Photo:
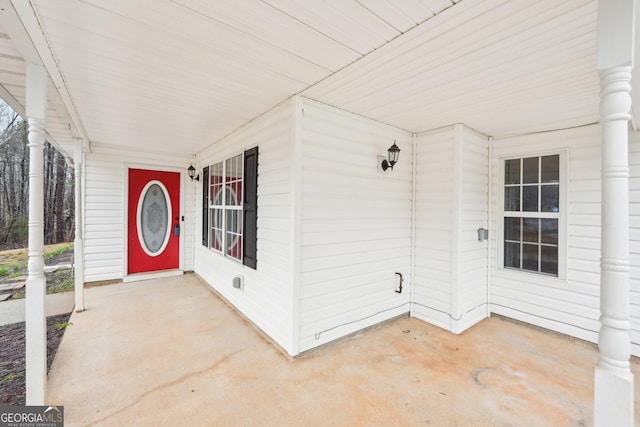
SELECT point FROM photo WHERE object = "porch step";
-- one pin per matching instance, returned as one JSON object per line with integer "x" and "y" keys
{"x": 4, "y": 297}
{"x": 12, "y": 286}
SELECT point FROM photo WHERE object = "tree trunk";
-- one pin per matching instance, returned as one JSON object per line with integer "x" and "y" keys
{"x": 58, "y": 203}
{"x": 49, "y": 185}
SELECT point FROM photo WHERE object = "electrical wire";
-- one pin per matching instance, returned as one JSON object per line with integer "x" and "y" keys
{"x": 317, "y": 335}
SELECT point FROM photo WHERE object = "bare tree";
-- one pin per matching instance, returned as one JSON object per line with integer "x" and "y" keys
{"x": 14, "y": 186}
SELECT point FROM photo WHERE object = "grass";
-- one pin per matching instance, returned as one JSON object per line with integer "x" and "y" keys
{"x": 58, "y": 249}
{"x": 62, "y": 325}
{"x": 13, "y": 262}
{"x": 11, "y": 376}
{"x": 57, "y": 282}
{"x": 66, "y": 285}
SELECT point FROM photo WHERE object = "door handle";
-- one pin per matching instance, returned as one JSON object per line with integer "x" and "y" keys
{"x": 176, "y": 230}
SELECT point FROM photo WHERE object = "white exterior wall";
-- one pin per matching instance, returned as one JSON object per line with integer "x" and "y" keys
{"x": 451, "y": 204}
{"x": 355, "y": 224}
{"x": 332, "y": 230}
{"x": 569, "y": 305}
{"x": 434, "y": 227}
{"x": 267, "y": 299}
{"x": 105, "y": 199}
{"x": 474, "y": 214}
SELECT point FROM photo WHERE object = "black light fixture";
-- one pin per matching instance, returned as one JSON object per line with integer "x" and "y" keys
{"x": 394, "y": 154}
{"x": 192, "y": 173}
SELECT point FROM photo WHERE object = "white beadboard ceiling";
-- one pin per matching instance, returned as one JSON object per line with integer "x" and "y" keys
{"x": 178, "y": 75}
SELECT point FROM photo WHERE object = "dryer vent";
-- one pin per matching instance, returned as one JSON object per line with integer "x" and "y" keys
{"x": 238, "y": 282}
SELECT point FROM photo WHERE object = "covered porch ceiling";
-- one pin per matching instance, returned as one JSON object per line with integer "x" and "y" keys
{"x": 181, "y": 74}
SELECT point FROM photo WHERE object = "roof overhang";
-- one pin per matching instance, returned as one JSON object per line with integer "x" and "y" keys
{"x": 20, "y": 25}
{"x": 185, "y": 73}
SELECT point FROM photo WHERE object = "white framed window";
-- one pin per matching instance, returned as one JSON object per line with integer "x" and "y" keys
{"x": 225, "y": 207}
{"x": 230, "y": 207}
{"x": 533, "y": 214}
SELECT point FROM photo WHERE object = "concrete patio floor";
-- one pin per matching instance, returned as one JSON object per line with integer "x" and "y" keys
{"x": 169, "y": 352}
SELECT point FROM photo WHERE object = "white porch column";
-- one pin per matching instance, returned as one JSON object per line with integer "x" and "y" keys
{"x": 613, "y": 405}
{"x": 36, "y": 322}
{"x": 78, "y": 241}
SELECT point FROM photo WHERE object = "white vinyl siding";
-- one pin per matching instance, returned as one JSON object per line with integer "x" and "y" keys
{"x": 327, "y": 259}
{"x": 568, "y": 305}
{"x": 105, "y": 205}
{"x": 450, "y": 288}
{"x": 474, "y": 207}
{"x": 267, "y": 298}
{"x": 434, "y": 227}
{"x": 355, "y": 224}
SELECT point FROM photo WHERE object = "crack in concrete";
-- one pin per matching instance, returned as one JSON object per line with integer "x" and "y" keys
{"x": 166, "y": 385}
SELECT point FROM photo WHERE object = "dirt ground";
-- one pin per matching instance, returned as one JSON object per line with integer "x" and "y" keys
{"x": 12, "y": 357}
{"x": 12, "y": 337}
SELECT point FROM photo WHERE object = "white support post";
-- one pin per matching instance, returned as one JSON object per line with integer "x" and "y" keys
{"x": 613, "y": 378}
{"x": 36, "y": 321}
{"x": 613, "y": 405}
{"x": 78, "y": 241}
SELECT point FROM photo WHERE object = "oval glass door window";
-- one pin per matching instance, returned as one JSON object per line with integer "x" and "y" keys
{"x": 154, "y": 218}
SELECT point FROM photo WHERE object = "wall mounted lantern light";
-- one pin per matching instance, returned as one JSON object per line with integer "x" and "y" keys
{"x": 393, "y": 155}
{"x": 192, "y": 173}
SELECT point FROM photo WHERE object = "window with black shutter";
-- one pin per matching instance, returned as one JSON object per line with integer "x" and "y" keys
{"x": 229, "y": 213}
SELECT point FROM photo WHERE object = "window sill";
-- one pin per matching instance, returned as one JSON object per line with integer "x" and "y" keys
{"x": 531, "y": 277}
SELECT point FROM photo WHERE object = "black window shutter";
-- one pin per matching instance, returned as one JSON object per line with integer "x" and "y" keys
{"x": 205, "y": 206}
{"x": 250, "y": 211}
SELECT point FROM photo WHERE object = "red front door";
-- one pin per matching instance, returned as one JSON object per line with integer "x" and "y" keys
{"x": 153, "y": 221}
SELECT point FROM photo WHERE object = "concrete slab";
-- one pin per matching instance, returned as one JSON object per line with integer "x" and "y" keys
{"x": 169, "y": 352}
{"x": 13, "y": 311}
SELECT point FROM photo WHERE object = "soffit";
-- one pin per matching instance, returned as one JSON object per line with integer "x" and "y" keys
{"x": 501, "y": 67}
{"x": 184, "y": 73}
{"x": 13, "y": 91}
{"x": 178, "y": 75}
